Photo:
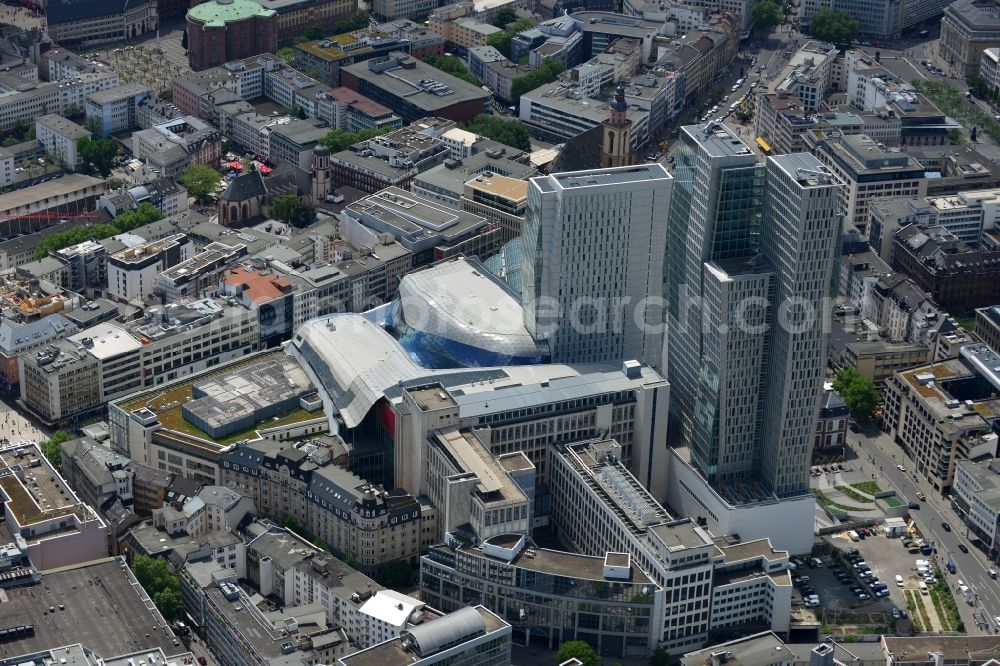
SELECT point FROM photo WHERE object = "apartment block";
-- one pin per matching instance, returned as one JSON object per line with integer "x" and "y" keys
{"x": 977, "y": 498}
{"x": 17, "y": 338}
{"x": 170, "y": 147}
{"x": 807, "y": 75}
{"x": 110, "y": 360}
{"x": 47, "y": 521}
{"x": 59, "y": 136}
{"x": 283, "y": 565}
{"x": 191, "y": 277}
{"x": 869, "y": 172}
{"x": 349, "y": 514}
{"x": 938, "y": 413}
{"x": 132, "y": 272}
{"x": 116, "y": 109}
{"x": 31, "y": 100}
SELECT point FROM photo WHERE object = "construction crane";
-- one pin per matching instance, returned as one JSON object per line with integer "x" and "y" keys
{"x": 50, "y": 216}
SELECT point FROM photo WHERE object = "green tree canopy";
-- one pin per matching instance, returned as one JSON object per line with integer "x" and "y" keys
{"x": 503, "y": 16}
{"x": 169, "y": 603}
{"x": 547, "y": 73}
{"x": 145, "y": 213}
{"x": 838, "y": 27}
{"x": 451, "y": 65}
{"x": 355, "y": 21}
{"x": 291, "y": 523}
{"x": 858, "y": 392}
{"x": 501, "y": 42}
{"x": 288, "y": 208}
{"x": 100, "y": 153}
{"x": 766, "y": 15}
{"x": 338, "y": 140}
{"x": 507, "y": 132}
{"x": 52, "y": 450}
{"x": 579, "y": 649}
{"x": 659, "y": 658}
{"x": 314, "y": 32}
{"x": 521, "y": 24}
{"x": 287, "y": 54}
{"x": 395, "y": 575}
{"x": 160, "y": 583}
{"x": 200, "y": 181}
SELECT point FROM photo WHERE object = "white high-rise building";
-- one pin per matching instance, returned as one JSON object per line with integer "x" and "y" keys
{"x": 594, "y": 244}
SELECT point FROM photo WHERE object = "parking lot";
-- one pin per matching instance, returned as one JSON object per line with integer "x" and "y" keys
{"x": 855, "y": 581}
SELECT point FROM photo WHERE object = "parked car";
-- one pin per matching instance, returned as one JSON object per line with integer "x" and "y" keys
{"x": 946, "y": 527}
{"x": 962, "y": 547}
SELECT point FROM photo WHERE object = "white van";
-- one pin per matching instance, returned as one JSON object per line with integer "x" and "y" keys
{"x": 899, "y": 581}
{"x": 853, "y": 535}
{"x": 923, "y": 588}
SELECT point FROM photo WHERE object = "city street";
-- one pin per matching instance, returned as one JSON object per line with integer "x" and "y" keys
{"x": 769, "y": 52}
{"x": 972, "y": 566}
{"x": 14, "y": 426}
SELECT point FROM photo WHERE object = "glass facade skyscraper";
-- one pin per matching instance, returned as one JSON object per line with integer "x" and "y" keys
{"x": 736, "y": 255}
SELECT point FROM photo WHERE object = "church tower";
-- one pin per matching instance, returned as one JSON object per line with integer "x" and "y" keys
{"x": 320, "y": 174}
{"x": 616, "y": 149}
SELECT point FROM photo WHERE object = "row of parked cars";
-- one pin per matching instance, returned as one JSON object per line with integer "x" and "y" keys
{"x": 871, "y": 586}
{"x": 809, "y": 596}
{"x": 801, "y": 582}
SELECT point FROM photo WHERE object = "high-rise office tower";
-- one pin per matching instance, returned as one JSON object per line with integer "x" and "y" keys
{"x": 710, "y": 272}
{"x": 748, "y": 264}
{"x": 593, "y": 245}
{"x": 801, "y": 240}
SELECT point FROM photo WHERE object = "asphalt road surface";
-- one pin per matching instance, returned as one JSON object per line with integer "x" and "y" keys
{"x": 972, "y": 566}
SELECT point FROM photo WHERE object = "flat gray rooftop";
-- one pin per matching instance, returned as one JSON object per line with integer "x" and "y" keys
{"x": 756, "y": 650}
{"x": 718, "y": 140}
{"x": 806, "y": 169}
{"x": 597, "y": 177}
{"x": 103, "y": 611}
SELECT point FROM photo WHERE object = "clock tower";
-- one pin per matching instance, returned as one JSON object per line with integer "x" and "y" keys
{"x": 616, "y": 149}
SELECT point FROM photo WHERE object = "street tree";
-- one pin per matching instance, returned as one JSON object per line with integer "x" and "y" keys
{"x": 766, "y": 15}
{"x": 580, "y": 650}
{"x": 858, "y": 392}
{"x": 200, "y": 181}
{"x": 100, "y": 153}
{"x": 838, "y": 27}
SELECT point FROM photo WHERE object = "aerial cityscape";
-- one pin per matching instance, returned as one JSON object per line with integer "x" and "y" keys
{"x": 500, "y": 332}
